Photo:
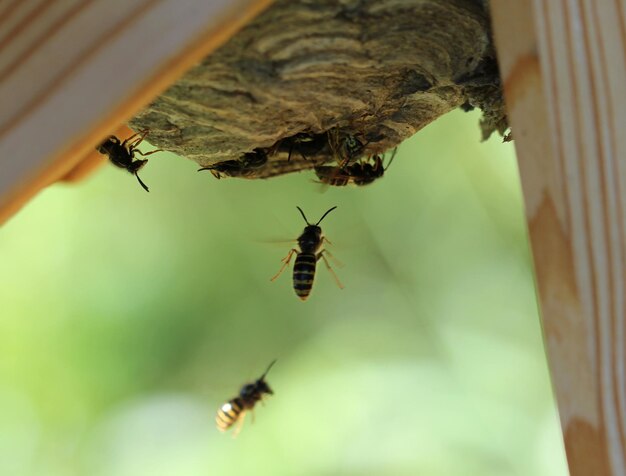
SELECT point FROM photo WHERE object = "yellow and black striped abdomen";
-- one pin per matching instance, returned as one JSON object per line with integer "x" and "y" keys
{"x": 229, "y": 413}
{"x": 303, "y": 274}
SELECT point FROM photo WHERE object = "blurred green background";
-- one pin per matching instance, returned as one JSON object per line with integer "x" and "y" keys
{"x": 128, "y": 318}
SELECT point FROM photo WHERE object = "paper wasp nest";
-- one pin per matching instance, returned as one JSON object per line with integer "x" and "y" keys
{"x": 377, "y": 70}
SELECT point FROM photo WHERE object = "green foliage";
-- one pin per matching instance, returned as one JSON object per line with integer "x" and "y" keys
{"x": 128, "y": 318}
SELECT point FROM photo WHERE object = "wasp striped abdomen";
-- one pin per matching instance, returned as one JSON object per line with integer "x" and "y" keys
{"x": 234, "y": 410}
{"x": 229, "y": 413}
{"x": 304, "y": 274}
{"x": 310, "y": 244}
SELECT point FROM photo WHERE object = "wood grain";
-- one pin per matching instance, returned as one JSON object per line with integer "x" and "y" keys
{"x": 564, "y": 67}
{"x": 72, "y": 71}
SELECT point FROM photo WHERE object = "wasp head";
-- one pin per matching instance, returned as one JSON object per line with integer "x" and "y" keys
{"x": 136, "y": 165}
{"x": 262, "y": 387}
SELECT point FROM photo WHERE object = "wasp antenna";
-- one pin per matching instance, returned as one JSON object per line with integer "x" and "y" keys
{"x": 303, "y": 215}
{"x": 324, "y": 215}
{"x": 145, "y": 187}
{"x": 268, "y": 369}
{"x": 393, "y": 154}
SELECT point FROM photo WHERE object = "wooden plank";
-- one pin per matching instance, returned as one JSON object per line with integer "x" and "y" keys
{"x": 564, "y": 67}
{"x": 72, "y": 71}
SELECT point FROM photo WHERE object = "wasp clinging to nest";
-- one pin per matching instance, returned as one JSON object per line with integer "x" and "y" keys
{"x": 362, "y": 172}
{"x": 303, "y": 143}
{"x": 122, "y": 153}
{"x": 346, "y": 147}
{"x": 246, "y": 166}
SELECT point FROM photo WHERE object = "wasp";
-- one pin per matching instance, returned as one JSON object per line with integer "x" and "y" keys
{"x": 245, "y": 167}
{"x": 235, "y": 409}
{"x": 346, "y": 147}
{"x": 305, "y": 144}
{"x": 310, "y": 243}
{"x": 363, "y": 172}
{"x": 122, "y": 153}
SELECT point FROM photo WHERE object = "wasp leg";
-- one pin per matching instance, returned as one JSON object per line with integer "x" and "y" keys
{"x": 211, "y": 168}
{"x": 143, "y": 154}
{"x": 393, "y": 154}
{"x": 321, "y": 255}
{"x": 129, "y": 139}
{"x": 137, "y": 136}
{"x": 136, "y": 139}
{"x": 344, "y": 163}
{"x": 239, "y": 424}
{"x": 332, "y": 256}
{"x": 290, "y": 151}
{"x": 292, "y": 144}
{"x": 285, "y": 261}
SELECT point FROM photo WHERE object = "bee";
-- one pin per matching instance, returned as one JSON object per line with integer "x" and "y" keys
{"x": 363, "y": 172}
{"x": 310, "y": 243}
{"x": 245, "y": 167}
{"x": 122, "y": 153}
{"x": 235, "y": 409}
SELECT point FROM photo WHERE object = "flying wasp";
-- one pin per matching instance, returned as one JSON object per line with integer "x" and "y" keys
{"x": 244, "y": 167}
{"x": 362, "y": 172}
{"x": 310, "y": 243}
{"x": 122, "y": 153}
{"x": 235, "y": 409}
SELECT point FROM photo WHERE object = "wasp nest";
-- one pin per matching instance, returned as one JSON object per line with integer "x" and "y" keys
{"x": 306, "y": 71}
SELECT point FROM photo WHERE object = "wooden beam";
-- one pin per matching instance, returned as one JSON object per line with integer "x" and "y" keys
{"x": 564, "y": 67}
{"x": 72, "y": 71}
